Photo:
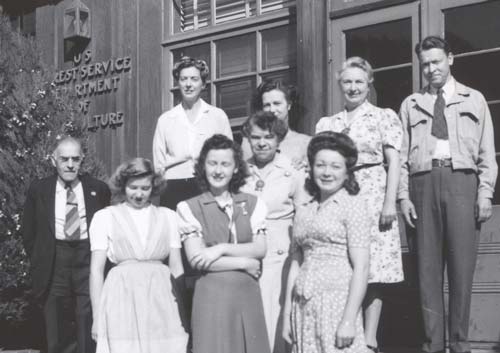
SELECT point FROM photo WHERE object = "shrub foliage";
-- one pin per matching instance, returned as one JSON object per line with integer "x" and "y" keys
{"x": 33, "y": 115}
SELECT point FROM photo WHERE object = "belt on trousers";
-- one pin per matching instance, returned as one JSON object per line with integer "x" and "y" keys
{"x": 365, "y": 166}
{"x": 71, "y": 243}
{"x": 441, "y": 163}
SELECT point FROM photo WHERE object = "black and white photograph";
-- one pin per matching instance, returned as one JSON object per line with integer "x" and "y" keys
{"x": 249, "y": 176}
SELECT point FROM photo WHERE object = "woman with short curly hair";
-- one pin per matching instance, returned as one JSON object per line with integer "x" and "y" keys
{"x": 181, "y": 131}
{"x": 274, "y": 179}
{"x": 135, "y": 306}
{"x": 282, "y": 100}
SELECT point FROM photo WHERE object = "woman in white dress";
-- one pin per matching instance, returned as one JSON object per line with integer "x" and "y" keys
{"x": 135, "y": 309}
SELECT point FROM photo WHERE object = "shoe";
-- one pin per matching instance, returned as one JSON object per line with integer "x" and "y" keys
{"x": 374, "y": 349}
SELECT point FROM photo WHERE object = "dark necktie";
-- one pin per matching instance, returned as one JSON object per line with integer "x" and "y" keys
{"x": 72, "y": 224}
{"x": 439, "y": 128}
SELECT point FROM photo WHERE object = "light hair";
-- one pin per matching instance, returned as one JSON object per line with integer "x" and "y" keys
{"x": 356, "y": 62}
{"x": 134, "y": 168}
{"x": 67, "y": 139}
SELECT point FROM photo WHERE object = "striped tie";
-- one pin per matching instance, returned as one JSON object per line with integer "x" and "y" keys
{"x": 72, "y": 224}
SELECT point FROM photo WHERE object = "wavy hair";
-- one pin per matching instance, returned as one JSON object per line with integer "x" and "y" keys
{"x": 267, "y": 121}
{"x": 334, "y": 141}
{"x": 432, "y": 42}
{"x": 356, "y": 62}
{"x": 132, "y": 169}
{"x": 221, "y": 142}
{"x": 186, "y": 62}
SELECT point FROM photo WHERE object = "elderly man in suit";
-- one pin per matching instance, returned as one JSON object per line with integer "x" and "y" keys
{"x": 57, "y": 214}
{"x": 448, "y": 175}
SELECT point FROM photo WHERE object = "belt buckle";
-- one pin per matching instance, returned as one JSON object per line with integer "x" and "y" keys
{"x": 440, "y": 163}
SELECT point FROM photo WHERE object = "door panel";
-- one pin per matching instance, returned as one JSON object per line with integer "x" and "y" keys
{"x": 476, "y": 47}
{"x": 386, "y": 39}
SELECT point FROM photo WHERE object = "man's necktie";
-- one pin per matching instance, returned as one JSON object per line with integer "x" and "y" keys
{"x": 72, "y": 224}
{"x": 439, "y": 127}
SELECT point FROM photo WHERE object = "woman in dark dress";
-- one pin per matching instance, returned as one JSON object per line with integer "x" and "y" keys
{"x": 223, "y": 231}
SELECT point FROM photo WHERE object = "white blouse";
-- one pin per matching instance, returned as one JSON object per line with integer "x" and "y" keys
{"x": 100, "y": 228}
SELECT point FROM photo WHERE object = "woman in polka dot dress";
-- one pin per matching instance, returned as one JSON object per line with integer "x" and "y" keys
{"x": 329, "y": 271}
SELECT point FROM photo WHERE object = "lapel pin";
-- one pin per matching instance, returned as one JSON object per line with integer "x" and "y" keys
{"x": 93, "y": 193}
{"x": 243, "y": 207}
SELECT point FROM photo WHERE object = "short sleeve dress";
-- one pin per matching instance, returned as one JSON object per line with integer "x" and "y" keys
{"x": 138, "y": 310}
{"x": 227, "y": 315}
{"x": 324, "y": 233}
{"x": 371, "y": 130}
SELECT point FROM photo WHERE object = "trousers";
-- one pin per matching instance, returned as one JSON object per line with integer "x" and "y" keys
{"x": 447, "y": 236}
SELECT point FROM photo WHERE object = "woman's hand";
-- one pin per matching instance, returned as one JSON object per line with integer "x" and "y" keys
{"x": 287, "y": 329}
{"x": 94, "y": 330}
{"x": 387, "y": 216}
{"x": 345, "y": 334}
{"x": 206, "y": 256}
{"x": 253, "y": 268}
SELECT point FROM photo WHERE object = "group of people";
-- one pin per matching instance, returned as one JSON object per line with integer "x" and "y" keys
{"x": 282, "y": 244}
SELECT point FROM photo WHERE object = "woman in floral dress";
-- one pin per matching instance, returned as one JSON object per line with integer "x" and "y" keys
{"x": 378, "y": 135}
{"x": 330, "y": 258}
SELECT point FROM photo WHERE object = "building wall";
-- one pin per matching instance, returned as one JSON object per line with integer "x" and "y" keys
{"x": 126, "y": 35}
{"x": 136, "y": 30}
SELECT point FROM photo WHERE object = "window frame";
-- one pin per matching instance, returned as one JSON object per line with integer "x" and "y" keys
{"x": 202, "y": 36}
{"x": 338, "y": 48}
{"x": 436, "y": 13}
{"x": 170, "y": 37}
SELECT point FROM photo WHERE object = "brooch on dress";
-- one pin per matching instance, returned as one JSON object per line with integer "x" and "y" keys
{"x": 259, "y": 185}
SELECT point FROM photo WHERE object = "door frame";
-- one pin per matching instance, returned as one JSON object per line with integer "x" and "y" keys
{"x": 336, "y": 37}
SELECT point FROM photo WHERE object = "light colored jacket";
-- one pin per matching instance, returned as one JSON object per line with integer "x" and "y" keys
{"x": 470, "y": 131}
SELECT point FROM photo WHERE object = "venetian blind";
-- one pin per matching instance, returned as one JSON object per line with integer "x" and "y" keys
{"x": 196, "y": 14}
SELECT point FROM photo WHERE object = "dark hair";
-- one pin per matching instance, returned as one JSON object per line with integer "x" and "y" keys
{"x": 289, "y": 91}
{"x": 340, "y": 143}
{"x": 131, "y": 169}
{"x": 432, "y": 42}
{"x": 186, "y": 62}
{"x": 266, "y": 121}
{"x": 221, "y": 142}
{"x": 267, "y": 86}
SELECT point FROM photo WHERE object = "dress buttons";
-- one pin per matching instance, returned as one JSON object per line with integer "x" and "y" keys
{"x": 280, "y": 252}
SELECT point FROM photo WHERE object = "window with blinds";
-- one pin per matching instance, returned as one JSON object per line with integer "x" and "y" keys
{"x": 241, "y": 63}
{"x": 192, "y": 15}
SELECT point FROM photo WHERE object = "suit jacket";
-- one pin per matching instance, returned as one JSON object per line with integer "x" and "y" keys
{"x": 38, "y": 225}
